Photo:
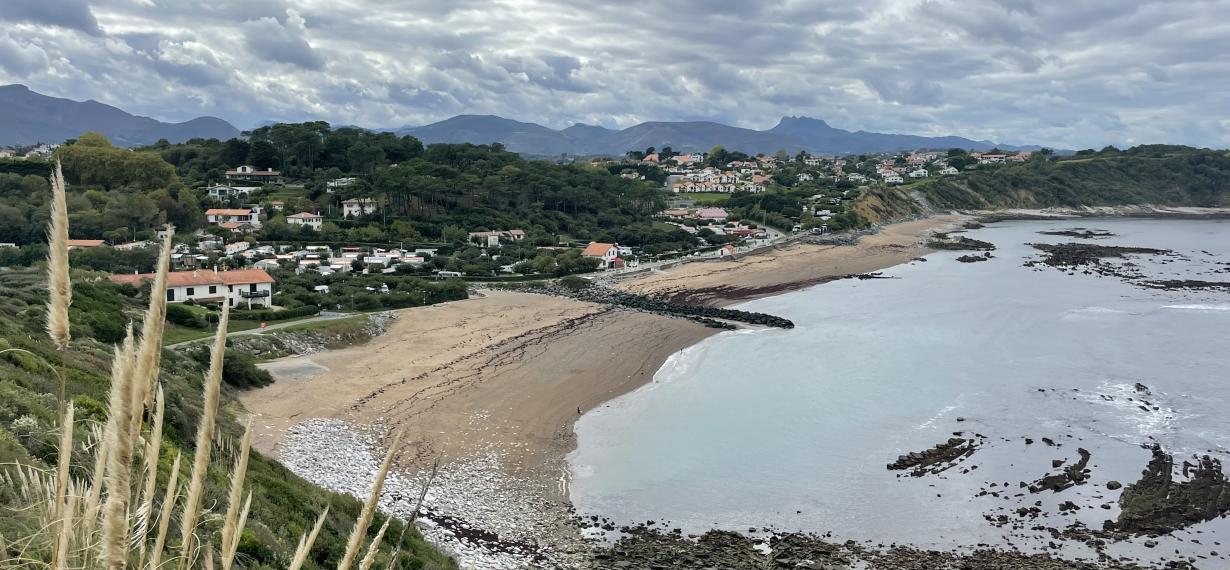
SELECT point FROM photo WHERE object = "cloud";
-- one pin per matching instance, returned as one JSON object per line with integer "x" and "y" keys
{"x": 267, "y": 38}
{"x": 72, "y": 14}
{"x": 1082, "y": 73}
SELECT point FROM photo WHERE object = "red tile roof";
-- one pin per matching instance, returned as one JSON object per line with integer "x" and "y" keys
{"x": 228, "y": 212}
{"x": 199, "y": 278}
{"x": 597, "y": 249}
{"x": 85, "y": 242}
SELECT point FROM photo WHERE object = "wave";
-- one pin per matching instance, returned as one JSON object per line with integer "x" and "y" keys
{"x": 1198, "y": 307}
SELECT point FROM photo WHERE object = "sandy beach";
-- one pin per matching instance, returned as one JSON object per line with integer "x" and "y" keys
{"x": 500, "y": 379}
{"x": 727, "y": 281}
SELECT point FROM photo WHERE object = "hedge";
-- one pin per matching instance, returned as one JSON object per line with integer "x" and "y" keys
{"x": 271, "y": 315}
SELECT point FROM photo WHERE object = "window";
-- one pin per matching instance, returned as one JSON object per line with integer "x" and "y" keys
{"x": 230, "y": 288}
{"x": 170, "y": 294}
{"x": 213, "y": 289}
{"x": 191, "y": 291}
{"x": 252, "y": 287}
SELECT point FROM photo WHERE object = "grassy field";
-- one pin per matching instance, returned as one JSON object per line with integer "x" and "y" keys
{"x": 706, "y": 198}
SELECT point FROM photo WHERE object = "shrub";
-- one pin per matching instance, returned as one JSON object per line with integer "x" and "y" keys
{"x": 184, "y": 316}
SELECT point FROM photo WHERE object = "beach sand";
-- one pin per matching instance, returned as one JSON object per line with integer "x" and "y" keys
{"x": 506, "y": 371}
{"x": 726, "y": 281}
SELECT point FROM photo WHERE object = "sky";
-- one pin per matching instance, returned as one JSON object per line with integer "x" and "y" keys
{"x": 1071, "y": 74}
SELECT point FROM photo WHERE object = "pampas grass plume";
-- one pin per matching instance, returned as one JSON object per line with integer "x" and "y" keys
{"x": 230, "y": 526}
{"x": 164, "y": 519}
{"x": 306, "y": 542}
{"x": 374, "y": 547}
{"x": 119, "y": 458}
{"x": 58, "y": 283}
{"x": 204, "y": 440}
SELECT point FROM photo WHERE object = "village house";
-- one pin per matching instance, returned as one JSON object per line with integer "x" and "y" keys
{"x": 714, "y": 214}
{"x": 248, "y": 173}
{"x": 164, "y": 231}
{"x": 314, "y": 221}
{"x": 220, "y": 216}
{"x": 249, "y": 287}
{"x": 336, "y": 183}
{"x": 85, "y": 243}
{"x": 234, "y": 248}
{"x": 805, "y": 177}
{"x": 493, "y": 239}
{"x": 607, "y": 253}
{"x": 129, "y": 246}
{"x": 277, "y": 205}
{"x": 893, "y": 178}
{"x": 222, "y": 192}
{"x": 948, "y": 171}
{"x": 919, "y": 173}
{"x": 356, "y": 207}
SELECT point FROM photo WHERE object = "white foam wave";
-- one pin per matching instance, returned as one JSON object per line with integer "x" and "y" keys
{"x": 1198, "y": 307}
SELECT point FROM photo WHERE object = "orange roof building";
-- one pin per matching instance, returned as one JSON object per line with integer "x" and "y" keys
{"x": 249, "y": 286}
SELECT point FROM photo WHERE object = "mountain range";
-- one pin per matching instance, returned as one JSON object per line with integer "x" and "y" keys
{"x": 791, "y": 134}
{"x": 27, "y": 117}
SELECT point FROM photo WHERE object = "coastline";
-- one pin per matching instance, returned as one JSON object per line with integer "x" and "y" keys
{"x": 493, "y": 386}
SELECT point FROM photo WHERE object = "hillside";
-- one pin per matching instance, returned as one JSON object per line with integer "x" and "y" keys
{"x": 283, "y": 505}
{"x": 27, "y": 117}
{"x": 1147, "y": 174}
{"x": 790, "y": 134}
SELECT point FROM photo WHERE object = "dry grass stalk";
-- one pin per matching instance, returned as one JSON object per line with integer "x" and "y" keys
{"x": 64, "y": 540}
{"x": 58, "y": 283}
{"x": 228, "y": 556}
{"x": 204, "y": 440}
{"x": 230, "y": 529}
{"x": 149, "y": 355}
{"x": 119, "y": 444}
{"x": 60, "y": 529}
{"x": 90, "y": 517}
{"x": 374, "y": 547}
{"x": 369, "y": 510}
{"x": 306, "y": 542}
{"x": 414, "y": 515}
{"x": 152, "y": 449}
{"x": 164, "y": 520}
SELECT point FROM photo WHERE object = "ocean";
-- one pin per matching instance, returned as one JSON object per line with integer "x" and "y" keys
{"x": 792, "y": 429}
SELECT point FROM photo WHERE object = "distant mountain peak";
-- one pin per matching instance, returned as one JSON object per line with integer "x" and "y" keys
{"x": 792, "y": 133}
{"x": 28, "y": 117}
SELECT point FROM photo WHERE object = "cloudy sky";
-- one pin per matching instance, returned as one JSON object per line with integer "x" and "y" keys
{"x": 1072, "y": 74}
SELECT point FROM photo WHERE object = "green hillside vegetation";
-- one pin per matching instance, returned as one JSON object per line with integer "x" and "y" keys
{"x": 283, "y": 505}
{"x": 1146, "y": 174}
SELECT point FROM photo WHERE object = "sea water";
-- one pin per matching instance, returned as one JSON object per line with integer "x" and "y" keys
{"x": 792, "y": 429}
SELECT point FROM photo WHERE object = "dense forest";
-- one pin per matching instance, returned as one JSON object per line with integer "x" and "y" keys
{"x": 437, "y": 193}
{"x": 1147, "y": 174}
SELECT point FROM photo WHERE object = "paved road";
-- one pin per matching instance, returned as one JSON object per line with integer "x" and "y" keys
{"x": 323, "y": 316}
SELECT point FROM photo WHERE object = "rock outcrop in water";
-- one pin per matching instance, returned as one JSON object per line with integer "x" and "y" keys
{"x": 945, "y": 241}
{"x": 1069, "y": 255}
{"x": 1159, "y": 504}
{"x": 1071, "y": 476}
{"x": 942, "y": 457}
{"x": 714, "y": 317}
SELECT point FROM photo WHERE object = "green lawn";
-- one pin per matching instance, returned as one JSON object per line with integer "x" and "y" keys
{"x": 176, "y": 334}
{"x": 706, "y": 198}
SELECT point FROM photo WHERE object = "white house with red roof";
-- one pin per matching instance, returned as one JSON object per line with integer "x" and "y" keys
{"x": 247, "y": 287}
{"x": 253, "y": 174}
{"x": 607, "y": 253}
{"x": 220, "y": 216}
{"x": 314, "y": 221}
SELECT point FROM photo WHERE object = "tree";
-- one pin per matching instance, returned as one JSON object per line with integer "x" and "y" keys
{"x": 262, "y": 154}
{"x": 781, "y": 155}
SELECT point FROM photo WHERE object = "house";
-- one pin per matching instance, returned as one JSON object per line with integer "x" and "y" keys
{"x": 247, "y": 173}
{"x": 715, "y": 214}
{"x": 164, "y": 231}
{"x": 493, "y": 239}
{"x": 919, "y": 173}
{"x": 948, "y": 171}
{"x": 234, "y": 248}
{"x": 251, "y": 287}
{"x": 277, "y": 205}
{"x": 356, "y": 207}
{"x": 805, "y": 177}
{"x": 267, "y": 264}
{"x": 893, "y": 178}
{"x": 314, "y": 221}
{"x": 336, "y": 183}
{"x": 689, "y": 158}
{"x": 221, "y": 216}
{"x": 129, "y": 246}
{"x": 224, "y": 191}
{"x": 84, "y": 243}
{"x": 651, "y": 157}
{"x": 607, "y": 253}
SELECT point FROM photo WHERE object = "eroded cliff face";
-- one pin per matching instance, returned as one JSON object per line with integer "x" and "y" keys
{"x": 883, "y": 205}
